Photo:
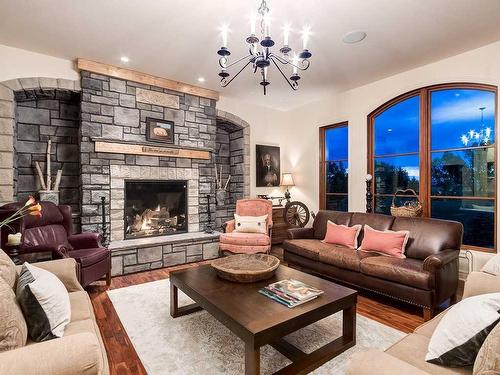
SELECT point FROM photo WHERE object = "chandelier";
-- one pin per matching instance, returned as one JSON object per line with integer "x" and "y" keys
{"x": 474, "y": 138}
{"x": 260, "y": 56}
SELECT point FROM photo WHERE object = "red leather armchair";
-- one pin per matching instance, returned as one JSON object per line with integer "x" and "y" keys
{"x": 53, "y": 232}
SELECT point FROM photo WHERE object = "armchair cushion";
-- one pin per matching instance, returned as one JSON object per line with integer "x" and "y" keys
{"x": 90, "y": 256}
{"x": 250, "y": 224}
{"x": 85, "y": 240}
{"x": 245, "y": 239}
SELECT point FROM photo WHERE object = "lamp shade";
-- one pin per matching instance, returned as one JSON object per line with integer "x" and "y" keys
{"x": 287, "y": 179}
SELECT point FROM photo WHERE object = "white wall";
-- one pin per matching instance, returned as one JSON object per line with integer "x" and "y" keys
{"x": 480, "y": 65}
{"x": 19, "y": 63}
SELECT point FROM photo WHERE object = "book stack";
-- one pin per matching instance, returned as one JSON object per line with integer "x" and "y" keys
{"x": 290, "y": 292}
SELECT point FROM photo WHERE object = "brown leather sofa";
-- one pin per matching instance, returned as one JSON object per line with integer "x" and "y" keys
{"x": 426, "y": 278}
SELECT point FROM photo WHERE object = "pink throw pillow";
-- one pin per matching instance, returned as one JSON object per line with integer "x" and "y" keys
{"x": 342, "y": 235}
{"x": 387, "y": 242}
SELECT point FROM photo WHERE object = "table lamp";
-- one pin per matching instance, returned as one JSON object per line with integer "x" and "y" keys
{"x": 287, "y": 180}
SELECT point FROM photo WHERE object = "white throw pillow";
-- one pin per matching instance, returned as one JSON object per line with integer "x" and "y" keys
{"x": 44, "y": 301}
{"x": 250, "y": 224}
{"x": 462, "y": 331}
{"x": 492, "y": 266}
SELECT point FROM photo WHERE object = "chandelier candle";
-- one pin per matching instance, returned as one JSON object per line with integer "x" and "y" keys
{"x": 261, "y": 59}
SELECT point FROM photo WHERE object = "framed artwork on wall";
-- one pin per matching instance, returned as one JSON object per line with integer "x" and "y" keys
{"x": 267, "y": 166}
{"x": 159, "y": 130}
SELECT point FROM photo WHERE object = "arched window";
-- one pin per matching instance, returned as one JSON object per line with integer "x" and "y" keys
{"x": 440, "y": 142}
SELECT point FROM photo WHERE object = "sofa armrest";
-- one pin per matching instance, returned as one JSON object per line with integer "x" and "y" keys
{"x": 300, "y": 233}
{"x": 481, "y": 283}
{"x": 65, "y": 269}
{"x": 87, "y": 240}
{"x": 228, "y": 226}
{"x": 70, "y": 355}
{"x": 437, "y": 261}
{"x": 376, "y": 362}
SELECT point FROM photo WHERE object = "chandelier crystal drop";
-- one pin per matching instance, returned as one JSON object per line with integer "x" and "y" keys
{"x": 260, "y": 57}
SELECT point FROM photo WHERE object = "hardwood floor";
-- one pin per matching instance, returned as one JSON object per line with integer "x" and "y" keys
{"x": 123, "y": 358}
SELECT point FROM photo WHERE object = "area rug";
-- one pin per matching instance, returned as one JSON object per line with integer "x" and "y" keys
{"x": 199, "y": 344}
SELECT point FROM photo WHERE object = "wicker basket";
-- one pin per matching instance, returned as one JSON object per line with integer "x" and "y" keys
{"x": 408, "y": 209}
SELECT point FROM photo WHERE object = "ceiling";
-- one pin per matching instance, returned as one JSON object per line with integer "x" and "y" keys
{"x": 178, "y": 39}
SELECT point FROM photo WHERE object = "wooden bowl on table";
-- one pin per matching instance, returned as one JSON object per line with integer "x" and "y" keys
{"x": 246, "y": 268}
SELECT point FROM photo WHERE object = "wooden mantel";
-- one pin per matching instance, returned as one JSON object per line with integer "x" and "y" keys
{"x": 147, "y": 79}
{"x": 150, "y": 150}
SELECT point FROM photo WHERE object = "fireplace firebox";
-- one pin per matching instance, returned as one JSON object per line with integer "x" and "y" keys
{"x": 155, "y": 208}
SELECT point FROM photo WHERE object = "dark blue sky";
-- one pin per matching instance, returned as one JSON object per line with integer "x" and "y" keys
{"x": 336, "y": 143}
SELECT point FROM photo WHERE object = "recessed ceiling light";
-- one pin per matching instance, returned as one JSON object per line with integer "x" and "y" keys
{"x": 354, "y": 37}
{"x": 124, "y": 59}
{"x": 201, "y": 79}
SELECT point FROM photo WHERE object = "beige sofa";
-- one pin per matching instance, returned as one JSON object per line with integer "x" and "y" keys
{"x": 407, "y": 355}
{"x": 79, "y": 351}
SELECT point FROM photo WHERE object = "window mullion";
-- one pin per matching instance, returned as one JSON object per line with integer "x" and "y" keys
{"x": 424, "y": 152}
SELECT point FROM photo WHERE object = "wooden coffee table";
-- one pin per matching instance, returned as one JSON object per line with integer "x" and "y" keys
{"x": 259, "y": 321}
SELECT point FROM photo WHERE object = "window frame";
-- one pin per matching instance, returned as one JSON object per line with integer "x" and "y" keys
{"x": 323, "y": 162}
{"x": 425, "y": 151}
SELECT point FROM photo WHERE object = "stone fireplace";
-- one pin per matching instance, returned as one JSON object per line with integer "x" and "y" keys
{"x": 103, "y": 149}
{"x": 155, "y": 208}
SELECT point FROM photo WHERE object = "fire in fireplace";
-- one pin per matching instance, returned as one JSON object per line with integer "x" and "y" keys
{"x": 154, "y": 208}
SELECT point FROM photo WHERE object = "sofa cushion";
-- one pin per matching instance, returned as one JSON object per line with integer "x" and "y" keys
{"x": 428, "y": 328}
{"x": 413, "y": 348}
{"x": 340, "y": 256}
{"x": 404, "y": 271}
{"x": 245, "y": 239}
{"x": 13, "y": 329}
{"x": 88, "y": 257}
{"x": 386, "y": 242}
{"x": 459, "y": 336}
{"x": 307, "y": 248}
{"x": 7, "y": 269}
{"x": 429, "y": 236}
{"x": 81, "y": 307}
{"x": 44, "y": 301}
{"x": 342, "y": 235}
{"x": 322, "y": 217}
{"x": 488, "y": 359}
{"x": 376, "y": 221}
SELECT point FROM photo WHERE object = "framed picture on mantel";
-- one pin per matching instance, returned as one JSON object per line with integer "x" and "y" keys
{"x": 159, "y": 130}
{"x": 267, "y": 166}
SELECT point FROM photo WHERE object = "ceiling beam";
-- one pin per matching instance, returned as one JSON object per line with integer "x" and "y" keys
{"x": 147, "y": 79}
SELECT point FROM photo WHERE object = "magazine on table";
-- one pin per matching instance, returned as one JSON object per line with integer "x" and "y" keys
{"x": 290, "y": 292}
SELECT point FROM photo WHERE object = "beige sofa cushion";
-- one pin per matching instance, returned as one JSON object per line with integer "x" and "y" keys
{"x": 413, "y": 348}
{"x": 488, "y": 358}
{"x": 481, "y": 283}
{"x": 7, "y": 269}
{"x": 428, "y": 328}
{"x": 13, "y": 329}
{"x": 81, "y": 307}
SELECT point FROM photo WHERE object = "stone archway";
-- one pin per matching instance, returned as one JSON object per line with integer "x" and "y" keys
{"x": 229, "y": 118}
{"x": 232, "y": 155}
{"x": 7, "y": 123}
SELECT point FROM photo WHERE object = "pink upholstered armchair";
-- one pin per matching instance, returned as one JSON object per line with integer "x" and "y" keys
{"x": 248, "y": 243}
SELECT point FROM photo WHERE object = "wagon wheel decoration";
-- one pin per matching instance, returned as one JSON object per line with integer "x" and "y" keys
{"x": 296, "y": 214}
